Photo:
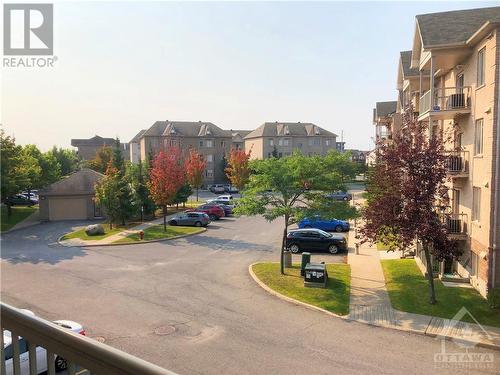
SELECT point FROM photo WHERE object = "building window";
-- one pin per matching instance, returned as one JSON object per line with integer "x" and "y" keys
{"x": 474, "y": 263}
{"x": 481, "y": 55}
{"x": 328, "y": 142}
{"x": 476, "y": 203}
{"x": 222, "y": 144}
{"x": 201, "y": 143}
{"x": 317, "y": 141}
{"x": 271, "y": 142}
{"x": 209, "y": 173}
{"x": 280, "y": 154}
{"x": 478, "y": 137}
{"x": 210, "y": 158}
{"x": 209, "y": 143}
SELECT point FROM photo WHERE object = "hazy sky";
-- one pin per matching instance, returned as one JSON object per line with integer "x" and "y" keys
{"x": 123, "y": 65}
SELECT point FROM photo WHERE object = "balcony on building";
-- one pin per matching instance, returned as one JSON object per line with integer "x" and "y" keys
{"x": 29, "y": 344}
{"x": 445, "y": 103}
{"x": 456, "y": 224}
{"x": 457, "y": 164}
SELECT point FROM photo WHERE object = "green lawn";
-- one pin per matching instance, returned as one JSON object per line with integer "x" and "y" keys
{"x": 83, "y": 236}
{"x": 409, "y": 291}
{"x": 334, "y": 298}
{"x": 156, "y": 232}
{"x": 19, "y": 213}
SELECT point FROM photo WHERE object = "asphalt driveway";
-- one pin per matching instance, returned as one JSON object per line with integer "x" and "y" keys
{"x": 189, "y": 305}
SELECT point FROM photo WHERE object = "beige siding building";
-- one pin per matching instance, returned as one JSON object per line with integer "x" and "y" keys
{"x": 386, "y": 120}
{"x": 283, "y": 138}
{"x": 87, "y": 148}
{"x": 451, "y": 80}
{"x": 208, "y": 139}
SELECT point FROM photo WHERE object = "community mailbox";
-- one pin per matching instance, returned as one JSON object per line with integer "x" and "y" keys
{"x": 315, "y": 275}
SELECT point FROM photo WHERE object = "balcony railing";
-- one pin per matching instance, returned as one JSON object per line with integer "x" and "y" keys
{"x": 41, "y": 340}
{"x": 446, "y": 99}
{"x": 457, "y": 163}
{"x": 456, "y": 224}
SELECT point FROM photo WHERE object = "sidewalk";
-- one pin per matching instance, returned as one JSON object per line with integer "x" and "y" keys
{"x": 370, "y": 303}
{"x": 115, "y": 237}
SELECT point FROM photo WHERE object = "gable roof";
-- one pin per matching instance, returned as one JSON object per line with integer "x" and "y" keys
{"x": 185, "y": 129}
{"x": 405, "y": 59}
{"x": 454, "y": 27}
{"x": 137, "y": 137}
{"x": 96, "y": 140}
{"x": 385, "y": 108}
{"x": 79, "y": 182}
{"x": 238, "y": 135}
{"x": 290, "y": 129}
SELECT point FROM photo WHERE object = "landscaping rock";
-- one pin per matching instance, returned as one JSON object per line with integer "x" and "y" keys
{"x": 94, "y": 229}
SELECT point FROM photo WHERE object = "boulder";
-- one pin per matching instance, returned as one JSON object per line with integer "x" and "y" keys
{"x": 94, "y": 229}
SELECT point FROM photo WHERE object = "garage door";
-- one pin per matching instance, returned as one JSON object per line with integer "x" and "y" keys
{"x": 67, "y": 209}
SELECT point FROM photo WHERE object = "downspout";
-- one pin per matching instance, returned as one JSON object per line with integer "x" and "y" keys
{"x": 497, "y": 172}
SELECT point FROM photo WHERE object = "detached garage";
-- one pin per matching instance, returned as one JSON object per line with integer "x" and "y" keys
{"x": 72, "y": 198}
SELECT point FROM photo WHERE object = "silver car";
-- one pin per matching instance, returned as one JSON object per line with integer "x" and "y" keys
{"x": 196, "y": 219}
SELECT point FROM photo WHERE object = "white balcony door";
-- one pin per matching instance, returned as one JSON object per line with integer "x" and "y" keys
{"x": 455, "y": 201}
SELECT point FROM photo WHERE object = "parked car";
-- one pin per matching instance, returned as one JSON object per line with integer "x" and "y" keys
{"x": 225, "y": 197}
{"x": 324, "y": 224}
{"x": 197, "y": 219}
{"x": 31, "y": 196}
{"x": 339, "y": 196}
{"x": 20, "y": 200}
{"x": 214, "y": 211}
{"x": 221, "y": 201}
{"x": 230, "y": 189}
{"x": 41, "y": 353}
{"x": 228, "y": 209}
{"x": 217, "y": 188}
{"x": 313, "y": 240}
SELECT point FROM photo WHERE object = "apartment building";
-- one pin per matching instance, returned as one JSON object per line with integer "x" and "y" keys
{"x": 283, "y": 138}
{"x": 451, "y": 80}
{"x": 134, "y": 147}
{"x": 208, "y": 139}
{"x": 387, "y": 121}
{"x": 87, "y": 148}
{"x": 238, "y": 141}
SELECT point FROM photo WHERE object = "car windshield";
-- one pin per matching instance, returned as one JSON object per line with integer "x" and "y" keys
{"x": 325, "y": 234}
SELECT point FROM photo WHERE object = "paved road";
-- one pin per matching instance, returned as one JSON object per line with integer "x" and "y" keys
{"x": 197, "y": 290}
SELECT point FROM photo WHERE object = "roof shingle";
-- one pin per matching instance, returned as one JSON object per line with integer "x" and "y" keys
{"x": 273, "y": 129}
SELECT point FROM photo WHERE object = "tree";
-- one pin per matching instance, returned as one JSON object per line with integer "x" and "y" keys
{"x": 291, "y": 188}
{"x": 275, "y": 152}
{"x": 67, "y": 159}
{"x": 223, "y": 164}
{"x": 51, "y": 169}
{"x": 167, "y": 175}
{"x": 29, "y": 168}
{"x": 138, "y": 176}
{"x": 405, "y": 191}
{"x": 195, "y": 167}
{"x": 238, "y": 170}
{"x": 125, "y": 202}
{"x": 101, "y": 160}
{"x": 182, "y": 194}
{"x": 106, "y": 193}
{"x": 11, "y": 179}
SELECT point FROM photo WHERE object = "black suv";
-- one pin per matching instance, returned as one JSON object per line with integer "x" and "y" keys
{"x": 315, "y": 240}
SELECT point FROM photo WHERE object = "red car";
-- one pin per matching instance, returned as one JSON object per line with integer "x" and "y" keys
{"x": 214, "y": 211}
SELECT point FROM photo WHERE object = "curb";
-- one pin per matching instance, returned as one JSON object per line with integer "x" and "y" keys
{"x": 59, "y": 241}
{"x": 346, "y": 317}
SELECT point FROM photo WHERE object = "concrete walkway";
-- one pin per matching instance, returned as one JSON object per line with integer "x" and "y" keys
{"x": 370, "y": 303}
{"x": 115, "y": 237}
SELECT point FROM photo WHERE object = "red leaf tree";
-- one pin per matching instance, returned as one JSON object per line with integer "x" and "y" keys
{"x": 167, "y": 175}
{"x": 406, "y": 192}
{"x": 195, "y": 165}
{"x": 238, "y": 170}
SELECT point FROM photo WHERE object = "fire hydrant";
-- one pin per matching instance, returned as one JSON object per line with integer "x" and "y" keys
{"x": 141, "y": 235}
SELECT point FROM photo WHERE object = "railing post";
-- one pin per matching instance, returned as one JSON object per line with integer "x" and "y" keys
{"x": 32, "y": 358}
{"x": 15, "y": 353}
{"x": 2, "y": 353}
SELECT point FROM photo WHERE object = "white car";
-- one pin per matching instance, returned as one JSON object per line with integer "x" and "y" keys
{"x": 225, "y": 197}
{"x": 41, "y": 353}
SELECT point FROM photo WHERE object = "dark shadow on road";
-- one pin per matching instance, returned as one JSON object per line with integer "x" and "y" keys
{"x": 38, "y": 244}
{"x": 215, "y": 243}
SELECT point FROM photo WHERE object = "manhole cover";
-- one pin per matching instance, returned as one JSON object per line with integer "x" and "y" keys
{"x": 164, "y": 330}
{"x": 99, "y": 338}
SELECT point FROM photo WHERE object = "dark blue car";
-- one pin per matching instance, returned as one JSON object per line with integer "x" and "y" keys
{"x": 324, "y": 224}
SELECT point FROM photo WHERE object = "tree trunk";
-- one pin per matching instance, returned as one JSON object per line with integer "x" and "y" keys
{"x": 110, "y": 224}
{"x": 430, "y": 274}
{"x": 197, "y": 193}
{"x": 283, "y": 247}
{"x": 142, "y": 213}
{"x": 165, "y": 218}
{"x": 9, "y": 209}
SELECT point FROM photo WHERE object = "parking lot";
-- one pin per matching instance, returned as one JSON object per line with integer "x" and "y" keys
{"x": 191, "y": 306}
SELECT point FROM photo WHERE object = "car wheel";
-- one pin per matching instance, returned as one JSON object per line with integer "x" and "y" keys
{"x": 339, "y": 228}
{"x": 173, "y": 222}
{"x": 332, "y": 249}
{"x": 294, "y": 248}
{"x": 197, "y": 224}
{"x": 61, "y": 364}
{"x": 212, "y": 217}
